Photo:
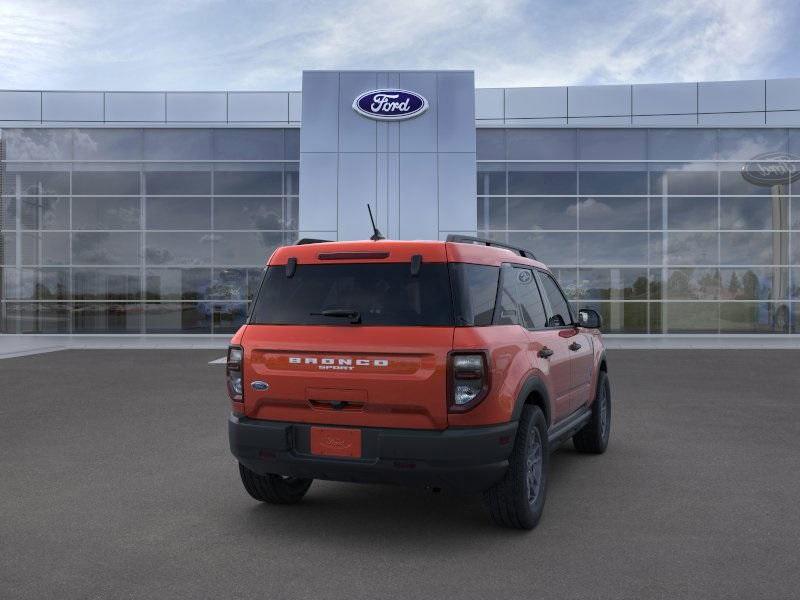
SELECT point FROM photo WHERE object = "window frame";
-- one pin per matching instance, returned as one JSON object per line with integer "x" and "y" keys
{"x": 539, "y": 273}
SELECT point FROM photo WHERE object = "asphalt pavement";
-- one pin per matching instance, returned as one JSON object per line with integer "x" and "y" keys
{"x": 116, "y": 482}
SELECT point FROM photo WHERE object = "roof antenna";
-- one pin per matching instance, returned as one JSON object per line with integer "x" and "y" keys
{"x": 376, "y": 232}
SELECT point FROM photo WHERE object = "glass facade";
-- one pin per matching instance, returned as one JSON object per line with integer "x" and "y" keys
{"x": 140, "y": 230}
{"x": 656, "y": 229}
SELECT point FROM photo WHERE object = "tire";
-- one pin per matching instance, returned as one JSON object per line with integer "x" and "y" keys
{"x": 274, "y": 489}
{"x": 517, "y": 501}
{"x": 593, "y": 438}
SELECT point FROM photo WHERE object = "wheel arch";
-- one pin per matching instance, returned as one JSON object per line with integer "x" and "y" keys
{"x": 533, "y": 392}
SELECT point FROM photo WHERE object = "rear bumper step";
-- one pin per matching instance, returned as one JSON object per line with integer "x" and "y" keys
{"x": 464, "y": 459}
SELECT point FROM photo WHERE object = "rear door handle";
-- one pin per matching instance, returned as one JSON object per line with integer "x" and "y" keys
{"x": 574, "y": 346}
{"x": 545, "y": 352}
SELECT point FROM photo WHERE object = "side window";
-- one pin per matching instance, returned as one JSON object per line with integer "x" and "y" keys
{"x": 520, "y": 302}
{"x": 559, "y": 307}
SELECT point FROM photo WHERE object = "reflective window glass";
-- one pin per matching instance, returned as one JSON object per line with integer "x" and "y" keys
{"x": 248, "y": 144}
{"x": 178, "y": 183}
{"x": 249, "y": 183}
{"x": 492, "y": 214}
{"x": 612, "y": 182}
{"x": 559, "y": 313}
{"x": 38, "y": 144}
{"x": 683, "y": 183}
{"x": 612, "y": 213}
{"x": 108, "y": 144}
{"x": 178, "y": 144}
{"x": 173, "y": 212}
{"x": 612, "y": 284}
{"x": 105, "y": 248}
{"x": 49, "y": 248}
{"x": 542, "y": 213}
{"x": 228, "y": 317}
{"x": 248, "y": 213}
{"x": 612, "y": 144}
{"x": 99, "y": 183}
{"x": 613, "y": 249}
{"x": 746, "y": 144}
{"x": 692, "y": 248}
{"x": 754, "y": 317}
{"x": 178, "y": 284}
{"x": 755, "y": 283}
{"x": 183, "y": 317}
{"x": 43, "y": 183}
{"x": 90, "y": 212}
{"x": 753, "y": 248}
{"x": 101, "y": 317}
{"x": 682, "y": 144}
{"x": 44, "y": 212}
{"x": 522, "y": 181}
{"x": 98, "y": 283}
{"x": 553, "y": 249}
{"x": 229, "y": 284}
{"x": 693, "y": 284}
{"x": 691, "y": 213}
{"x": 541, "y": 144}
{"x": 491, "y": 144}
{"x": 8, "y": 248}
{"x": 491, "y": 179}
{"x": 244, "y": 248}
{"x": 754, "y": 213}
{"x": 520, "y": 301}
{"x": 178, "y": 248}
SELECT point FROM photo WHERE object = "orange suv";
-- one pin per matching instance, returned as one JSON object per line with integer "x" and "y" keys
{"x": 453, "y": 364}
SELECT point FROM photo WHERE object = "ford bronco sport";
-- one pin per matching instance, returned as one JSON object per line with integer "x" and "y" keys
{"x": 456, "y": 364}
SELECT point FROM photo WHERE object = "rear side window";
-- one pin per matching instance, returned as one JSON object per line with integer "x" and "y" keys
{"x": 560, "y": 315}
{"x": 474, "y": 293}
{"x": 520, "y": 301}
{"x": 381, "y": 293}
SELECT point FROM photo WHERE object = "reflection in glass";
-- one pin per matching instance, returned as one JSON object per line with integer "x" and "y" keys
{"x": 228, "y": 317}
{"x": 540, "y": 213}
{"x": 229, "y": 284}
{"x": 629, "y": 183}
{"x": 754, "y": 317}
{"x": 98, "y": 283}
{"x": 101, "y": 248}
{"x": 248, "y": 213}
{"x": 178, "y": 213}
{"x": 551, "y": 248}
{"x": 44, "y": 212}
{"x": 241, "y": 182}
{"x": 491, "y": 179}
{"x": 111, "y": 183}
{"x": 33, "y": 317}
{"x": 178, "y": 248}
{"x": 178, "y": 284}
{"x": 8, "y": 248}
{"x": 178, "y": 183}
{"x": 755, "y": 283}
{"x": 691, "y": 213}
{"x": 248, "y": 144}
{"x": 492, "y": 213}
{"x": 690, "y": 317}
{"x": 754, "y": 248}
{"x": 613, "y": 248}
{"x": 184, "y": 317}
{"x": 101, "y": 317}
{"x": 47, "y": 248}
{"x": 522, "y": 182}
{"x": 754, "y": 212}
{"x": 43, "y": 183}
{"x": 620, "y": 317}
{"x": 540, "y": 144}
{"x": 693, "y": 284}
{"x": 692, "y": 248}
{"x": 613, "y": 284}
{"x": 248, "y": 249}
{"x": 90, "y": 212}
{"x": 678, "y": 182}
{"x": 612, "y": 213}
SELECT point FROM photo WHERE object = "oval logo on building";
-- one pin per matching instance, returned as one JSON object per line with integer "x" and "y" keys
{"x": 772, "y": 168}
{"x": 390, "y": 105}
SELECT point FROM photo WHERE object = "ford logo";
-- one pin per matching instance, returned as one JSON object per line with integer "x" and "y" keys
{"x": 390, "y": 105}
{"x": 772, "y": 168}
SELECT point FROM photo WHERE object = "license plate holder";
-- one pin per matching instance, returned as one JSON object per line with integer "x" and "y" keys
{"x": 336, "y": 441}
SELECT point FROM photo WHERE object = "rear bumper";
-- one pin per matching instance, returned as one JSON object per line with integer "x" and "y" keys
{"x": 464, "y": 459}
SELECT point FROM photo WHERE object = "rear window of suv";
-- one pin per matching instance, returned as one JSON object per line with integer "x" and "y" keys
{"x": 381, "y": 293}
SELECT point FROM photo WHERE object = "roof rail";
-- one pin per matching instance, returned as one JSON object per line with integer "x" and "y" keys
{"x": 467, "y": 239}
{"x": 304, "y": 241}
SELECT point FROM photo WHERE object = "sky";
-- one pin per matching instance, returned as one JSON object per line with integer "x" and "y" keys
{"x": 265, "y": 45}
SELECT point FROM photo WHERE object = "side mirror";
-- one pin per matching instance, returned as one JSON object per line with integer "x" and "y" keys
{"x": 589, "y": 318}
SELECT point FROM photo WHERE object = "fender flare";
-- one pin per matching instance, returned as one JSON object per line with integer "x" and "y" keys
{"x": 533, "y": 384}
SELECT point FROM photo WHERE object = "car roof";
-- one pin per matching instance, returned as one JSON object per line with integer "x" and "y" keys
{"x": 399, "y": 251}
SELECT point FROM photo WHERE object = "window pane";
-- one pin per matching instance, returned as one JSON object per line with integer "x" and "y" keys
{"x": 52, "y": 284}
{"x": 613, "y": 249}
{"x": 248, "y": 144}
{"x": 291, "y": 141}
{"x": 674, "y": 181}
{"x": 248, "y": 182}
{"x": 691, "y": 213}
{"x": 732, "y": 182}
{"x": 541, "y": 144}
{"x": 178, "y": 213}
{"x": 693, "y": 284}
{"x": 559, "y": 314}
{"x": 690, "y": 317}
{"x": 178, "y": 183}
{"x": 229, "y": 284}
{"x": 491, "y": 144}
{"x": 612, "y": 284}
{"x": 754, "y": 213}
{"x": 105, "y": 248}
{"x": 520, "y": 302}
{"x": 491, "y": 179}
{"x": 178, "y": 248}
{"x": 754, "y": 283}
{"x": 99, "y": 317}
{"x": 50, "y": 248}
{"x": 492, "y": 213}
{"x": 474, "y": 292}
{"x": 612, "y": 182}
{"x": 550, "y": 248}
{"x": 108, "y": 144}
{"x": 98, "y": 183}
{"x": 106, "y": 284}
{"x": 44, "y": 212}
{"x": 32, "y": 317}
{"x": 8, "y": 248}
{"x": 229, "y": 317}
{"x": 737, "y": 143}
{"x": 248, "y": 213}
{"x": 184, "y": 317}
{"x": 249, "y": 249}
{"x": 105, "y": 213}
{"x": 178, "y": 284}
{"x": 612, "y": 213}
{"x": 612, "y": 144}
{"x": 38, "y": 144}
{"x": 524, "y": 180}
{"x": 692, "y": 248}
{"x": 682, "y": 144}
{"x": 177, "y": 144}
{"x": 542, "y": 213}
{"x": 758, "y": 248}
{"x": 754, "y": 317}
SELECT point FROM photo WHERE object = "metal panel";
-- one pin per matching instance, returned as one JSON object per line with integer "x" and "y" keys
{"x": 457, "y": 190}
{"x": 599, "y": 101}
{"x": 320, "y": 130}
{"x": 489, "y": 103}
{"x": 600, "y": 121}
{"x": 295, "y": 106}
{"x": 456, "y": 100}
{"x": 732, "y": 119}
{"x": 318, "y": 181}
{"x": 419, "y": 218}
{"x": 258, "y": 106}
{"x": 783, "y": 94}
{"x": 356, "y": 189}
{"x": 665, "y": 120}
{"x": 419, "y": 134}
{"x": 784, "y": 118}
{"x": 72, "y": 106}
{"x": 730, "y": 96}
{"x": 136, "y": 106}
{"x": 536, "y": 103}
{"x": 20, "y": 106}
{"x": 665, "y": 99}
{"x": 356, "y": 134}
{"x": 197, "y": 107}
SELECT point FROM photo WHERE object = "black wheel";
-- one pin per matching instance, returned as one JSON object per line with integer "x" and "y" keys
{"x": 593, "y": 438}
{"x": 274, "y": 489}
{"x": 518, "y": 499}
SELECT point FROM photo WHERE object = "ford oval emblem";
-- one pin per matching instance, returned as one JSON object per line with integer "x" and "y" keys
{"x": 260, "y": 385}
{"x": 772, "y": 168}
{"x": 390, "y": 105}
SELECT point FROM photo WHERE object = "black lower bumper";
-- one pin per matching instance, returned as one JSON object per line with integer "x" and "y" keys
{"x": 463, "y": 459}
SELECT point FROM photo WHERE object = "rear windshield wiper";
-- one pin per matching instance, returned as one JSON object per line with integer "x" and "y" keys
{"x": 342, "y": 313}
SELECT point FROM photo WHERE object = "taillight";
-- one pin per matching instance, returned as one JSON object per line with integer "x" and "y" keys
{"x": 233, "y": 371}
{"x": 468, "y": 380}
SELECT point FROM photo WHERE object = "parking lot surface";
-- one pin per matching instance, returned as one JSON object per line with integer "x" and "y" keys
{"x": 116, "y": 482}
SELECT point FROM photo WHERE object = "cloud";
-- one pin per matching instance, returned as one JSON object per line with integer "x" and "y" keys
{"x": 212, "y": 44}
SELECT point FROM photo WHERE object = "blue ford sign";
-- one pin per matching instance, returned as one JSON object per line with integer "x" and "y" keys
{"x": 772, "y": 168}
{"x": 390, "y": 105}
